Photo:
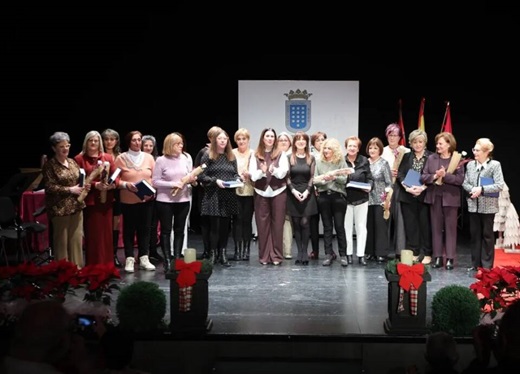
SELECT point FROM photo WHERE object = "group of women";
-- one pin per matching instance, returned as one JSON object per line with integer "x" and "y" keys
{"x": 288, "y": 183}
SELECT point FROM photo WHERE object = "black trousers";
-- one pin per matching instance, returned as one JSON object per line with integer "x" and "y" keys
{"x": 482, "y": 239}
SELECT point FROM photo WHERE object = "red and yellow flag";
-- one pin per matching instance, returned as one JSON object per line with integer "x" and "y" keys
{"x": 446, "y": 125}
{"x": 421, "y": 116}
{"x": 402, "y": 141}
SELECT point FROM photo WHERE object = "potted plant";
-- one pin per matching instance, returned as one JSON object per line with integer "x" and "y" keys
{"x": 141, "y": 307}
{"x": 406, "y": 297}
{"x": 189, "y": 300}
{"x": 456, "y": 310}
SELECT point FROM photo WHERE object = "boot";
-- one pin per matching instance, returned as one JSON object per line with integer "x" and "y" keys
{"x": 212, "y": 256}
{"x": 223, "y": 258}
{"x": 178, "y": 239}
{"x": 238, "y": 252}
{"x": 167, "y": 252}
{"x": 115, "y": 242}
{"x": 246, "y": 250}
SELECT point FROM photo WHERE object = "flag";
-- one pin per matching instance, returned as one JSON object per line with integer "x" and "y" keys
{"x": 402, "y": 141}
{"x": 421, "y": 116}
{"x": 446, "y": 126}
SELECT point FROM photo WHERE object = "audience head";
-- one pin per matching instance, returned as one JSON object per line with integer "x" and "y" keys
{"x": 441, "y": 351}
{"x": 508, "y": 339}
{"x": 92, "y": 137}
{"x": 43, "y": 333}
{"x": 149, "y": 145}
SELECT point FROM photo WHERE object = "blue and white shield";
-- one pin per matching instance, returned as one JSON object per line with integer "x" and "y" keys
{"x": 297, "y": 115}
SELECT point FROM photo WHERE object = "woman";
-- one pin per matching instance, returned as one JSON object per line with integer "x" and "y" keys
{"x": 377, "y": 229}
{"x": 149, "y": 145}
{"x": 169, "y": 169}
{"x": 219, "y": 203}
{"x": 111, "y": 146}
{"x": 98, "y": 214}
{"x": 285, "y": 144}
{"x": 136, "y": 166}
{"x": 393, "y": 154}
{"x": 444, "y": 178}
{"x": 416, "y": 213}
{"x": 243, "y": 227}
{"x": 483, "y": 202}
{"x": 301, "y": 200}
{"x": 65, "y": 212}
{"x": 268, "y": 168}
{"x": 317, "y": 140}
{"x": 357, "y": 199}
{"x": 332, "y": 203}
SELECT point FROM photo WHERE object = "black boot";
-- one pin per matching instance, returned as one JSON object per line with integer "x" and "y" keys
{"x": 239, "y": 252}
{"x": 178, "y": 239}
{"x": 236, "y": 255}
{"x": 223, "y": 258}
{"x": 212, "y": 256}
{"x": 115, "y": 242}
{"x": 246, "y": 250}
{"x": 167, "y": 252}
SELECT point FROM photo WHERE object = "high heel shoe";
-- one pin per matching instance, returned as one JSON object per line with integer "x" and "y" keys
{"x": 362, "y": 260}
{"x": 350, "y": 260}
{"x": 449, "y": 264}
{"x": 437, "y": 263}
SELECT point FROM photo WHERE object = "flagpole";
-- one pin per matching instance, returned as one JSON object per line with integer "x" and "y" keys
{"x": 445, "y": 114}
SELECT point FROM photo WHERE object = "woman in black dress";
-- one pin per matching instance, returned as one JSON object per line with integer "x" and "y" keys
{"x": 301, "y": 200}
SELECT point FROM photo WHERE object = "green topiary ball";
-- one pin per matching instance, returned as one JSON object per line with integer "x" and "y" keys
{"x": 141, "y": 306}
{"x": 456, "y": 310}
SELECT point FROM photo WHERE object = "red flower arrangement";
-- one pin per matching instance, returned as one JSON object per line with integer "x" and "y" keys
{"x": 497, "y": 288}
{"x": 98, "y": 281}
{"x": 55, "y": 280}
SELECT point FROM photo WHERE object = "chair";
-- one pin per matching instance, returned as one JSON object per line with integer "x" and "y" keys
{"x": 12, "y": 228}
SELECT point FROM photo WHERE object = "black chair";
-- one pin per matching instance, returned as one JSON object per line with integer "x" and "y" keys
{"x": 12, "y": 228}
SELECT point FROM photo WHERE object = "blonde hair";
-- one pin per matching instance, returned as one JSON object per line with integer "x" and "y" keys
{"x": 169, "y": 143}
{"x": 335, "y": 146}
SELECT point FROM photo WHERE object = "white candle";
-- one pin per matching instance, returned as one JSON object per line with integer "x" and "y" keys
{"x": 190, "y": 255}
{"x": 407, "y": 257}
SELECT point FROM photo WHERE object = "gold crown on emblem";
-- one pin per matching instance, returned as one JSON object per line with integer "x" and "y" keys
{"x": 298, "y": 95}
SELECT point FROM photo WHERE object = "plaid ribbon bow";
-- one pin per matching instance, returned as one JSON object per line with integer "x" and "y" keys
{"x": 186, "y": 279}
{"x": 410, "y": 281}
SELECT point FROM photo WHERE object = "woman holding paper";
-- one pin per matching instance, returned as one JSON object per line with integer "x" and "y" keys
{"x": 97, "y": 215}
{"x": 377, "y": 226}
{"x": 416, "y": 213}
{"x": 136, "y": 167}
{"x": 169, "y": 169}
{"x": 443, "y": 173}
{"x": 483, "y": 182}
{"x": 243, "y": 221}
{"x": 357, "y": 199}
{"x": 285, "y": 144}
{"x": 65, "y": 212}
{"x": 332, "y": 202}
{"x": 219, "y": 203}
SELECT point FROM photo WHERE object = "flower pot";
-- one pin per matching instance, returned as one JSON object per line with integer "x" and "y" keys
{"x": 196, "y": 319}
{"x": 404, "y": 322}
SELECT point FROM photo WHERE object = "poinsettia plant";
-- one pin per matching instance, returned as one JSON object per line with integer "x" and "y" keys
{"x": 98, "y": 281}
{"x": 497, "y": 288}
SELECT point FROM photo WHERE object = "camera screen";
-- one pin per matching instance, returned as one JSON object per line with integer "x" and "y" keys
{"x": 86, "y": 321}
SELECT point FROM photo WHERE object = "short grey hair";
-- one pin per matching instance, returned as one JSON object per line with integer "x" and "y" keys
{"x": 415, "y": 134}
{"x": 58, "y": 137}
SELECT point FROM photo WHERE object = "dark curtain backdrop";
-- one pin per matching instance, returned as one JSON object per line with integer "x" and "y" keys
{"x": 176, "y": 68}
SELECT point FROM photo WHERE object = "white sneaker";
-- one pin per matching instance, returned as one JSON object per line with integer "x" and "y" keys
{"x": 144, "y": 263}
{"x": 129, "y": 265}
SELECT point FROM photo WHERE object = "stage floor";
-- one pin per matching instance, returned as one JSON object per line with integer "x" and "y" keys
{"x": 253, "y": 299}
